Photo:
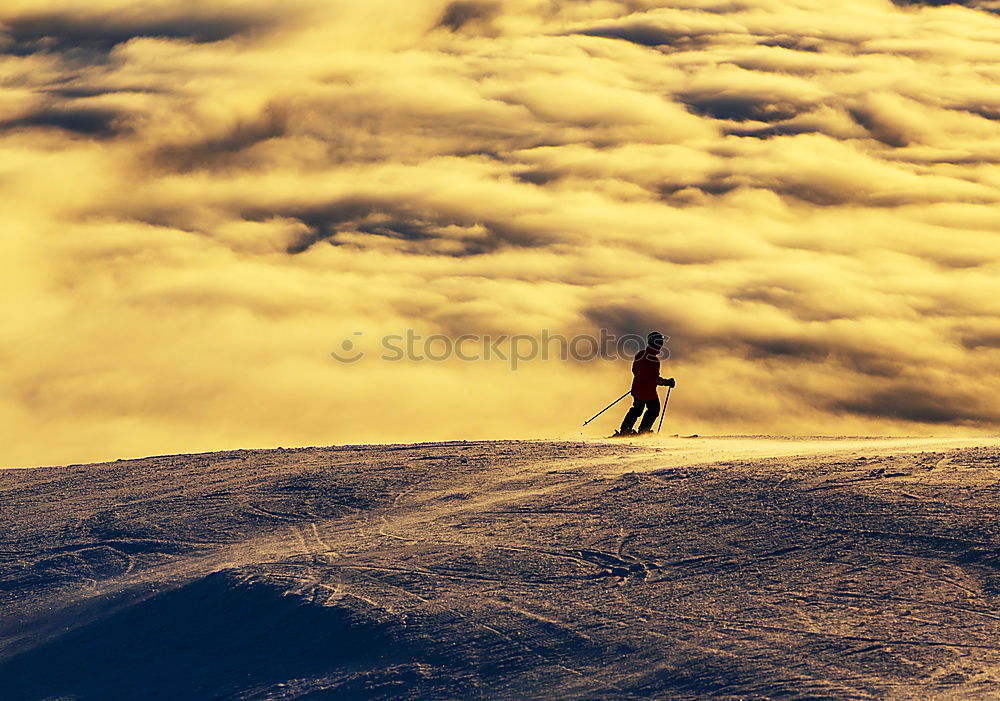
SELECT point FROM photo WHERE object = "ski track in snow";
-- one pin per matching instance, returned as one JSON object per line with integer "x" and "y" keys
{"x": 681, "y": 568}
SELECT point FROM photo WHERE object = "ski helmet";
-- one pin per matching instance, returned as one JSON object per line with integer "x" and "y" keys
{"x": 655, "y": 339}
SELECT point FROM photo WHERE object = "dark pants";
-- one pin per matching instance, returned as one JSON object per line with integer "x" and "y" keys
{"x": 652, "y": 409}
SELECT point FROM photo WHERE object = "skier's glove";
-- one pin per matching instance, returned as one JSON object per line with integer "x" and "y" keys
{"x": 669, "y": 382}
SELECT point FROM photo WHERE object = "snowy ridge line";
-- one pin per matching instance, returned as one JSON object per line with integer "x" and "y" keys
{"x": 678, "y": 570}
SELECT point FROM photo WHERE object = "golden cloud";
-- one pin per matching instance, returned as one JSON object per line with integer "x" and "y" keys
{"x": 201, "y": 202}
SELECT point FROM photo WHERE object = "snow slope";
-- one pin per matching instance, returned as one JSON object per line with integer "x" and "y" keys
{"x": 723, "y": 567}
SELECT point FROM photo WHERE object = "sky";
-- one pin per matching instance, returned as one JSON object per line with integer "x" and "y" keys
{"x": 201, "y": 201}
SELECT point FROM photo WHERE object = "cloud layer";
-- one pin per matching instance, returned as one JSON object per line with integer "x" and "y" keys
{"x": 200, "y": 204}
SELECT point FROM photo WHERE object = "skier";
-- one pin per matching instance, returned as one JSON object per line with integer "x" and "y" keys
{"x": 646, "y": 372}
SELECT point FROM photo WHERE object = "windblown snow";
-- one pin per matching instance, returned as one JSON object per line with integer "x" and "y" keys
{"x": 732, "y": 568}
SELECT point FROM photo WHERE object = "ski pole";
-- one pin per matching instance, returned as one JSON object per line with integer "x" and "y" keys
{"x": 665, "y": 400}
{"x": 605, "y": 409}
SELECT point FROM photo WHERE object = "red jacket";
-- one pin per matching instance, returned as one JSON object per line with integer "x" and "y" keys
{"x": 646, "y": 372}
